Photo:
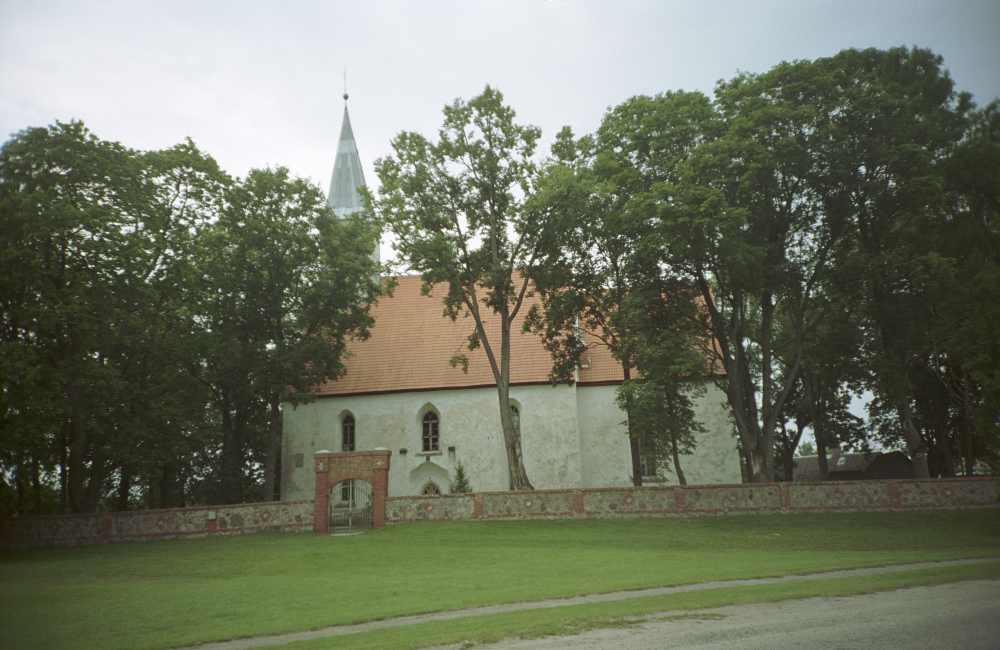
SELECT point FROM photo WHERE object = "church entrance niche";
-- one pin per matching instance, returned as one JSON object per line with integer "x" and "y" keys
{"x": 351, "y": 506}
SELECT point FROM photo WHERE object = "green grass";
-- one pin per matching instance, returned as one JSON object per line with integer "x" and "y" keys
{"x": 576, "y": 619}
{"x": 164, "y": 594}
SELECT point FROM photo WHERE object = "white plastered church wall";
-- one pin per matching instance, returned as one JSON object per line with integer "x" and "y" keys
{"x": 469, "y": 422}
{"x": 572, "y": 436}
{"x": 606, "y": 458}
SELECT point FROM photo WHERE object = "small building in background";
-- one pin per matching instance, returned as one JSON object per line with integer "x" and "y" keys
{"x": 854, "y": 466}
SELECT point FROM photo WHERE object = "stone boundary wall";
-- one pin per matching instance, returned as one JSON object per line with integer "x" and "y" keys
{"x": 170, "y": 523}
{"x": 702, "y": 500}
{"x": 831, "y": 496}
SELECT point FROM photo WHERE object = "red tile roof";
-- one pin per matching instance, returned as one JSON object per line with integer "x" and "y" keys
{"x": 412, "y": 342}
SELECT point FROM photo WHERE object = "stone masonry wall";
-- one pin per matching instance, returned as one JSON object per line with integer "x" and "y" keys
{"x": 297, "y": 516}
{"x": 75, "y": 530}
{"x": 894, "y": 495}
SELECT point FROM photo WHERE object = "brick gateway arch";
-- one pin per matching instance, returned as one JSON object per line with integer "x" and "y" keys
{"x": 334, "y": 467}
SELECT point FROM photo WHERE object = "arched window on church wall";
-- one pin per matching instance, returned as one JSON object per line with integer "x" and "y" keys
{"x": 346, "y": 444}
{"x": 431, "y": 431}
{"x": 347, "y": 433}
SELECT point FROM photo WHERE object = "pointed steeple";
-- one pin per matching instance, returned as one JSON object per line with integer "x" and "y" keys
{"x": 348, "y": 175}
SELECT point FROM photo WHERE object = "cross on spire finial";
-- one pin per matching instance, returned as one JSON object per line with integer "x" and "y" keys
{"x": 345, "y": 85}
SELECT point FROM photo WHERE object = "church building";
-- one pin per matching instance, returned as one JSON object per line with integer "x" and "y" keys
{"x": 400, "y": 392}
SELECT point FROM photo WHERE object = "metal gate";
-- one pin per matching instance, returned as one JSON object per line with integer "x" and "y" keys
{"x": 351, "y": 506}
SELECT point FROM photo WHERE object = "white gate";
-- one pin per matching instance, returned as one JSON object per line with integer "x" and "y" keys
{"x": 351, "y": 506}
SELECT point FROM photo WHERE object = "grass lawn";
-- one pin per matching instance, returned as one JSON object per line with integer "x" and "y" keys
{"x": 165, "y": 594}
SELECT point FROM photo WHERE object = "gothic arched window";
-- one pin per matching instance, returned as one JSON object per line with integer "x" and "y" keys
{"x": 431, "y": 431}
{"x": 347, "y": 433}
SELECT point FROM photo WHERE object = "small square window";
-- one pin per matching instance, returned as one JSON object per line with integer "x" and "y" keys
{"x": 298, "y": 460}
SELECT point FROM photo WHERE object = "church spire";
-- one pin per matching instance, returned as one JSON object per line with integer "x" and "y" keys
{"x": 347, "y": 176}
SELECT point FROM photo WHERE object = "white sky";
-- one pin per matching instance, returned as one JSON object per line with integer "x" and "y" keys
{"x": 259, "y": 83}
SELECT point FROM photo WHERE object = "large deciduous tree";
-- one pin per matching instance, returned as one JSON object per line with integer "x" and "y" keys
{"x": 95, "y": 249}
{"x": 286, "y": 284}
{"x": 892, "y": 122}
{"x": 140, "y": 289}
{"x": 601, "y": 280}
{"x": 461, "y": 212}
{"x": 746, "y": 224}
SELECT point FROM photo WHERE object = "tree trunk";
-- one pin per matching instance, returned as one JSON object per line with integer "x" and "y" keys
{"x": 512, "y": 443}
{"x": 788, "y": 461}
{"x": 36, "y": 486}
{"x": 124, "y": 487}
{"x": 789, "y": 445}
{"x": 171, "y": 491}
{"x": 914, "y": 443}
{"x": 95, "y": 484}
{"x": 824, "y": 466}
{"x": 966, "y": 431}
{"x": 77, "y": 449}
{"x": 63, "y": 476}
{"x": 675, "y": 454}
{"x": 20, "y": 488}
{"x": 745, "y": 470}
{"x": 738, "y": 385}
{"x": 232, "y": 456}
{"x": 512, "y": 437}
{"x": 762, "y": 466}
{"x": 272, "y": 481}
{"x": 635, "y": 445}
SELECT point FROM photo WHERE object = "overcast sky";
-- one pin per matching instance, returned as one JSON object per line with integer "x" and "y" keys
{"x": 260, "y": 83}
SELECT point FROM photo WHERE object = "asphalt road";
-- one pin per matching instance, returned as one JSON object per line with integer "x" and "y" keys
{"x": 959, "y": 615}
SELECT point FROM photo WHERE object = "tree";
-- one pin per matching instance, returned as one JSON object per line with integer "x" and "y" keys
{"x": 598, "y": 282}
{"x": 830, "y": 373}
{"x": 892, "y": 121}
{"x": 460, "y": 210}
{"x": 461, "y": 484}
{"x": 287, "y": 284}
{"x": 138, "y": 290}
{"x": 95, "y": 246}
{"x": 965, "y": 288}
{"x": 745, "y": 223}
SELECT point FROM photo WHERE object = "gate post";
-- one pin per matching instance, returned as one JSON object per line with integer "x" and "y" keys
{"x": 331, "y": 467}
{"x": 321, "y": 500}
{"x": 380, "y": 488}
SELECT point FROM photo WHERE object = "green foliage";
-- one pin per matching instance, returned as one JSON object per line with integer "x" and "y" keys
{"x": 147, "y": 301}
{"x": 290, "y": 285}
{"x": 461, "y": 483}
{"x": 837, "y": 219}
{"x": 600, "y": 282}
{"x": 96, "y": 249}
{"x": 821, "y": 229}
{"x": 461, "y": 211}
{"x": 806, "y": 448}
{"x": 664, "y": 422}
